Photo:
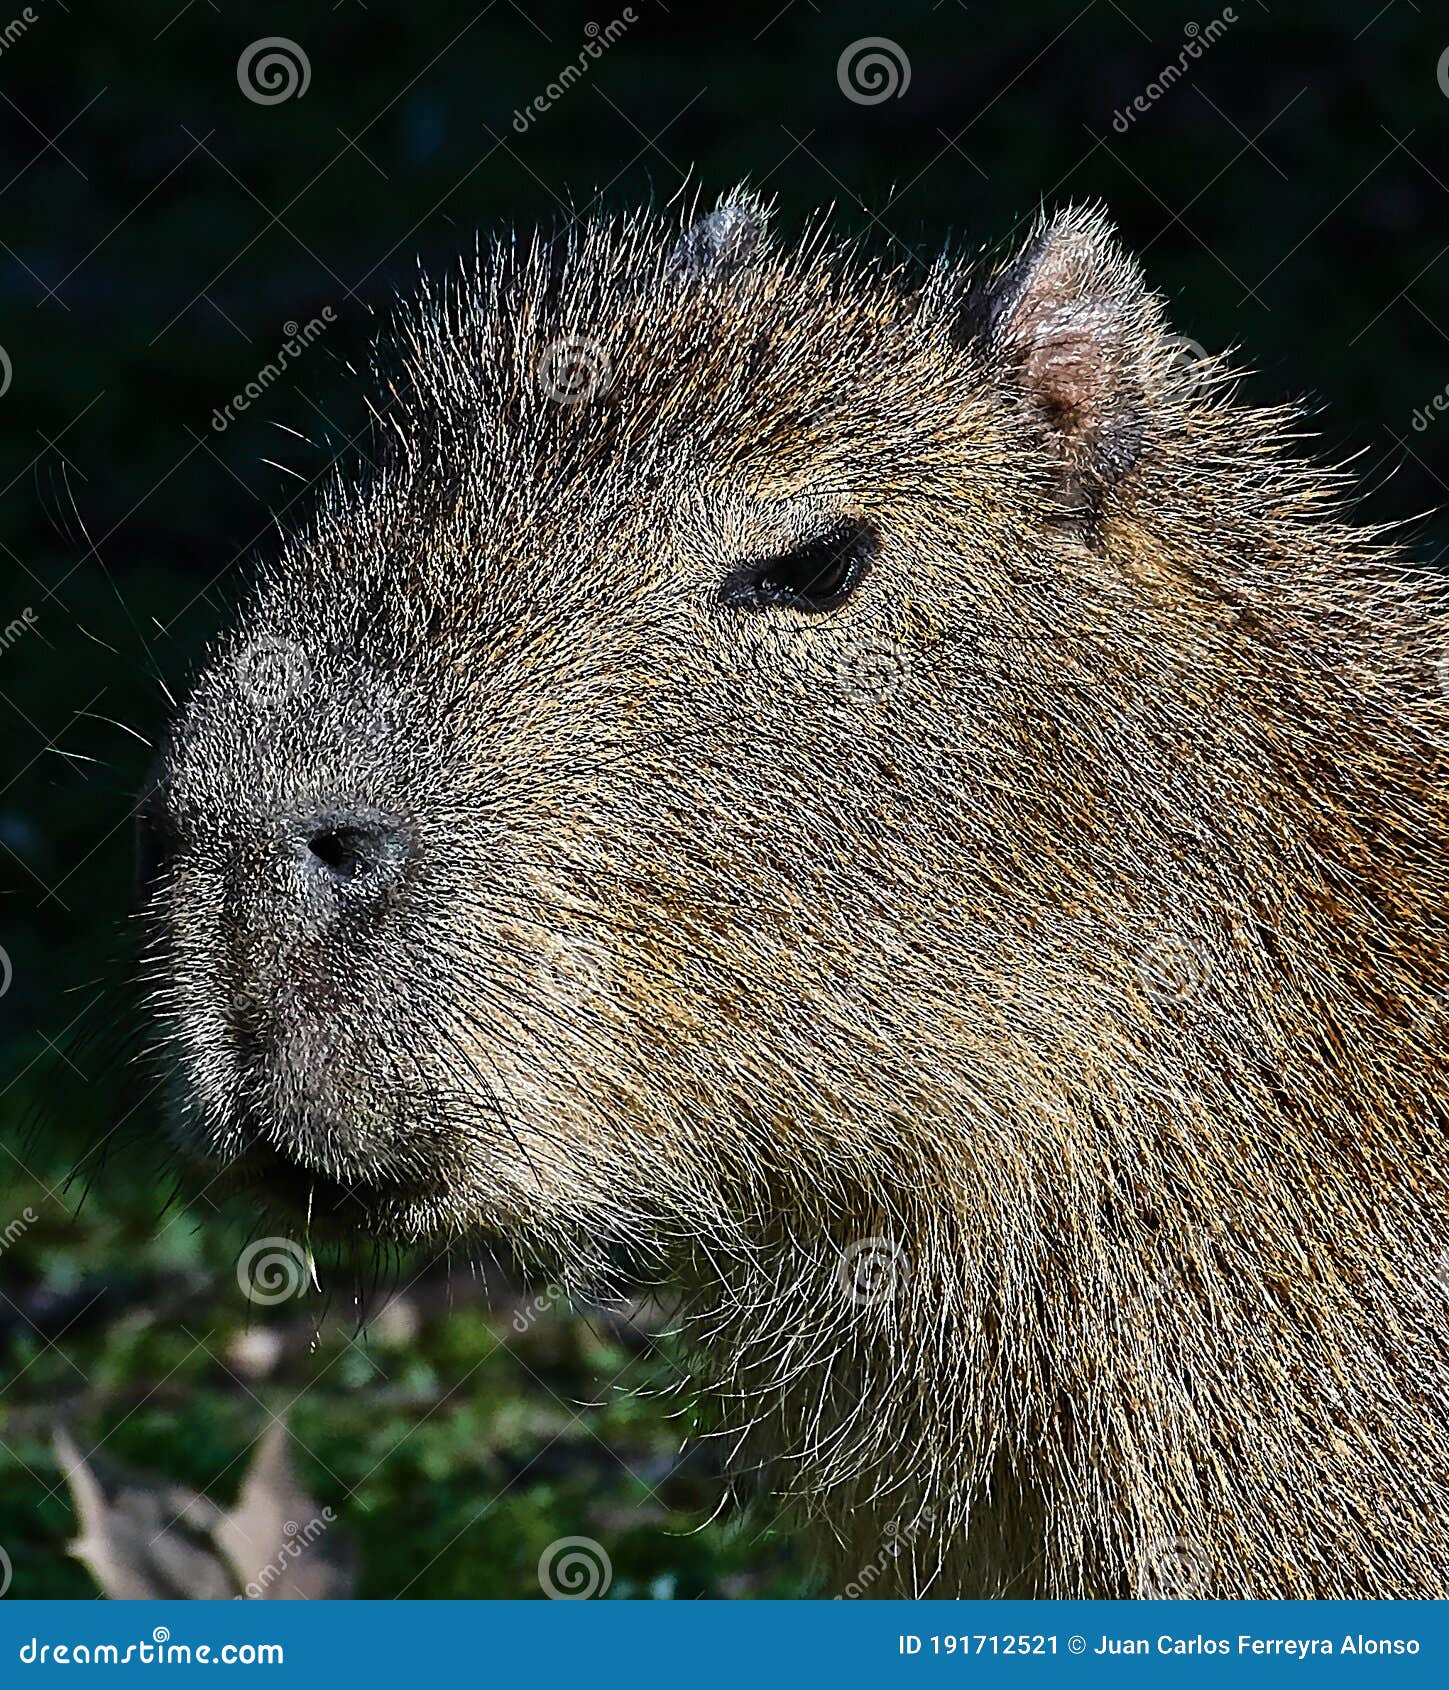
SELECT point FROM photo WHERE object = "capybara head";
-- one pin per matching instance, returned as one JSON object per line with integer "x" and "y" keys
{"x": 776, "y": 760}
{"x": 611, "y": 797}
{"x": 724, "y": 694}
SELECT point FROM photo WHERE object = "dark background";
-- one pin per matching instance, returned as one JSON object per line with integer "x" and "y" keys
{"x": 159, "y": 234}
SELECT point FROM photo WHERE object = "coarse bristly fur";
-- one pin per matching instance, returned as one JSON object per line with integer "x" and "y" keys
{"x": 1007, "y": 1001}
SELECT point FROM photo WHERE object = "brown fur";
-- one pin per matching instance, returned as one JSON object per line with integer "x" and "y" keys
{"x": 1008, "y": 1005}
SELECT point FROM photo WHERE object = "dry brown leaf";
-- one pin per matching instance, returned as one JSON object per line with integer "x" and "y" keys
{"x": 143, "y": 1538}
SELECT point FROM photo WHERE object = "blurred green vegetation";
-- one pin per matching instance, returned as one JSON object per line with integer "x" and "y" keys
{"x": 160, "y": 232}
{"x": 468, "y": 1424}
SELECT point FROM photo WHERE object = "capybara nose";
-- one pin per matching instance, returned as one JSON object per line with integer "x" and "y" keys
{"x": 350, "y": 854}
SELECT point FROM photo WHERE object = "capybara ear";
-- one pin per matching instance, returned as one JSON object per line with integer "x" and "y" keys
{"x": 725, "y": 238}
{"x": 1071, "y": 324}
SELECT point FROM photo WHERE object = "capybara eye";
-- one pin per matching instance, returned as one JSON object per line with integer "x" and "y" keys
{"x": 818, "y": 575}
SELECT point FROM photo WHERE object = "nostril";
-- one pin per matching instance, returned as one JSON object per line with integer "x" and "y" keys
{"x": 342, "y": 850}
{"x": 350, "y": 850}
